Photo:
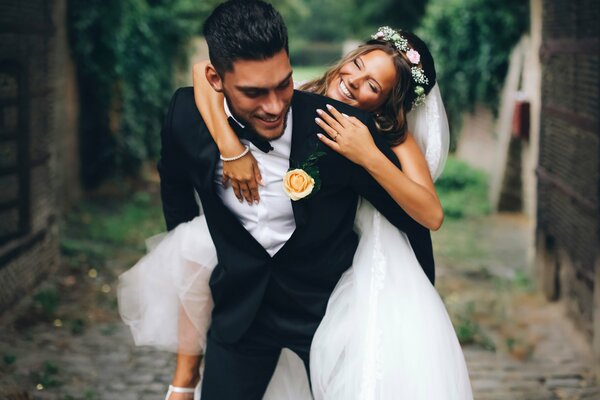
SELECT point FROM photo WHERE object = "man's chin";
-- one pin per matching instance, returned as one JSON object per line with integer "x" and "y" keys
{"x": 270, "y": 134}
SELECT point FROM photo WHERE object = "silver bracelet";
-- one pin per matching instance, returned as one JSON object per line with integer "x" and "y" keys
{"x": 246, "y": 150}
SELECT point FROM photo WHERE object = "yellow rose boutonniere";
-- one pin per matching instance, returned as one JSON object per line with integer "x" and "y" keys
{"x": 304, "y": 180}
{"x": 297, "y": 184}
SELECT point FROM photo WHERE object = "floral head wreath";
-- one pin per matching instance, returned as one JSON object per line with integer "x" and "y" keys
{"x": 388, "y": 34}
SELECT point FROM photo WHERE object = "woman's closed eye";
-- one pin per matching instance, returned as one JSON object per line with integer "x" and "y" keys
{"x": 360, "y": 65}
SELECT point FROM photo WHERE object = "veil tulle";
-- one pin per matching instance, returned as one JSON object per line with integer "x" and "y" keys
{"x": 429, "y": 126}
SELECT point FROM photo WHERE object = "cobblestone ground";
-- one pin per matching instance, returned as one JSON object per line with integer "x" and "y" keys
{"x": 483, "y": 276}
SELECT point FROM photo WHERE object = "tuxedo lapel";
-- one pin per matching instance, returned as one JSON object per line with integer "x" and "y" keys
{"x": 303, "y": 120}
{"x": 209, "y": 156}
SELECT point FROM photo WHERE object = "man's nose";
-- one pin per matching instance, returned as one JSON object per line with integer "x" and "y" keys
{"x": 273, "y": 104}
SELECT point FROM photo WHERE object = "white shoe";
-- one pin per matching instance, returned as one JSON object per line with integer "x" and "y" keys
{"x": 176, "y": 389}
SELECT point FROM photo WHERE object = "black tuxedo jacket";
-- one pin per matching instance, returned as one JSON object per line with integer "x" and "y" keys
{"x": 297, "y": 281}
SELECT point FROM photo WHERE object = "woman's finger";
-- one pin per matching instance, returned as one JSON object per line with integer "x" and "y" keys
{"x": 330, "y": 120}
{"x": 329, "y": 143}
{"x": 353, "y": 120}
{"x": 253, "y": 188}
{"x": 328, "y": 129}
{"x": 339, "y": 117}
{"x": 257, "y": 174}
{"x": 236, "y": 190}
{"x": 246, "y": 192}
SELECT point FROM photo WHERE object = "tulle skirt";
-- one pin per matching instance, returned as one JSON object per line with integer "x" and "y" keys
{"x": 386, "y": 333}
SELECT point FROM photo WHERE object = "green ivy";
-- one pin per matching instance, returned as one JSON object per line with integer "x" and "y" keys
{"x": 471, "y": 41}
{"x": 127, "y": 52}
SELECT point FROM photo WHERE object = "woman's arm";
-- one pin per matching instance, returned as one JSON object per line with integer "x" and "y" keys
{"x": 412, "y": 187}
{"x": 243, "y": 173}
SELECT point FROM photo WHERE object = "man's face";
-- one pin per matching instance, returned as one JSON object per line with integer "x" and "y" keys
{"x": 259, "y": 93}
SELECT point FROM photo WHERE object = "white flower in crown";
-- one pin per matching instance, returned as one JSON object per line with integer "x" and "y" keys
{"x": 413, "y": 56}
{"x": 378, "y": 35}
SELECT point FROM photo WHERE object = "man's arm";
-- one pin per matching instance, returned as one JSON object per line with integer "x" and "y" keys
{"x": 176, "y": 189}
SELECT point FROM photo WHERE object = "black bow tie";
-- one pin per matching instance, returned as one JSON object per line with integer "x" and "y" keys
{"x": 248, "y": 134}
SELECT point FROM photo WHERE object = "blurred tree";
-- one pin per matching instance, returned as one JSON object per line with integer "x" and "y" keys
{"x": 126, "y": 52}
{"x": 471, "y": 41}
{"x": 369, "y": 15}
{"x": 316, "y": 33}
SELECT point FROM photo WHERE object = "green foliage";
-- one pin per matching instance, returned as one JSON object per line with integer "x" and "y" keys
{"x": 126, "y": 53}
{"x": 9, "y": 359}
{"x": 130, "y": 222}
{"x": 469, "y": 331}
{"x": 333, "y": 21}
{"x": 48, "y": 376}
{"x": 303, "y": 73}
{"x": 314, "y": 53}
{"x": 320, "y": 21}
{"x": 462, "y": 190}
{"x": 47, "y": 301}
{"x": 369, "y": 15}
{"x": 471, "y": 41}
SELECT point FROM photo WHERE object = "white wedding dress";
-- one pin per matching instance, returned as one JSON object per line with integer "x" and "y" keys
{"x": 386, "y": 333}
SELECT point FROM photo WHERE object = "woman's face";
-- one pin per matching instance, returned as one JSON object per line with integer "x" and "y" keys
{"x": 365, "y": 82}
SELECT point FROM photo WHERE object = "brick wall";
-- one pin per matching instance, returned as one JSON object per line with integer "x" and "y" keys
{"x": 569, "y": 159}
{"x": 37, "y": 132}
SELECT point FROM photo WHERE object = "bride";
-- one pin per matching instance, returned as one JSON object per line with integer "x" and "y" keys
{"x": 386, "y": 333}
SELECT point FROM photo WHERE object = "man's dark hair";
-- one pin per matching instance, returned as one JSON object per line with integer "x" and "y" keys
{"x": 244, "y": 30}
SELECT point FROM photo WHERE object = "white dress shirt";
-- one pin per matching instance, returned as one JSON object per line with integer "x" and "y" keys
{"x": 271, "y": 221}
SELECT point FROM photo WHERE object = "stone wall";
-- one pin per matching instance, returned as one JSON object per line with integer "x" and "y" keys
{"x": 569, "y": 159}
{"x": 37, "y": 136}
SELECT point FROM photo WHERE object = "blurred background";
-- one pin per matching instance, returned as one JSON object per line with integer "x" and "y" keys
{"x": 83, "y": 90}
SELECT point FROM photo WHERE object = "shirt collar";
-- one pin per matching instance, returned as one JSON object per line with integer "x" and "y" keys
{"x": 229, "y": 114}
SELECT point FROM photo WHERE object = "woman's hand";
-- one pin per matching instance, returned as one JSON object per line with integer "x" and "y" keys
{"x": 347, "y": 135}
{"x": 244, "y": 176}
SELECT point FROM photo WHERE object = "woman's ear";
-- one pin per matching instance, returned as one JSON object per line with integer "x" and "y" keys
{"x": 213, "y": 78}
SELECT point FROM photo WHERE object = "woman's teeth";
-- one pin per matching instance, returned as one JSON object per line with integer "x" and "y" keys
{"x": 345, "y": 90}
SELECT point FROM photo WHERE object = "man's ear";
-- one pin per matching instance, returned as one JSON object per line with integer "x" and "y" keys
{"x": 213, "y": 78}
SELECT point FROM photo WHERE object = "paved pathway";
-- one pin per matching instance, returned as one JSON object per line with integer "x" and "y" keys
{"x": 540, "y": 355}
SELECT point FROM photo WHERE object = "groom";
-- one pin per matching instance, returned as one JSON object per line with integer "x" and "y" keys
{"x": 279, "y": 260}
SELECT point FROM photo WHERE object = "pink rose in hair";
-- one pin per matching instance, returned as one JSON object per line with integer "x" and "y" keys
{"x": 413, "y": 56}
